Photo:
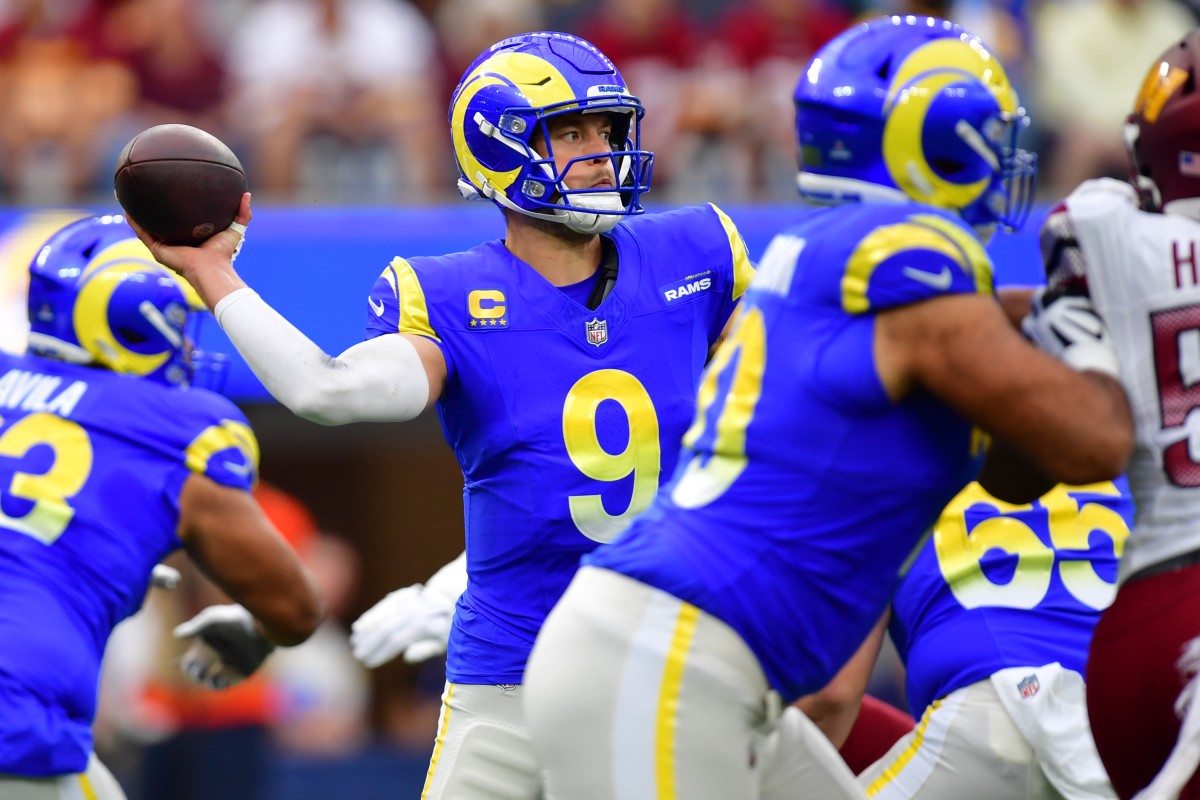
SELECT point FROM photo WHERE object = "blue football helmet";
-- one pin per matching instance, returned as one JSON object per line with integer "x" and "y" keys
{"x": 97, "y": 296}
{"x": 503, "y": 102}
{"x": 914, "y": 108}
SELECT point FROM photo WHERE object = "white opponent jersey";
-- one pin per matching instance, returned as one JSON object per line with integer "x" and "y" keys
{"x": 1143, "y": 275}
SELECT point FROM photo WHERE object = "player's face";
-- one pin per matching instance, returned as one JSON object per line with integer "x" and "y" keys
{"x": 579, "y": 134}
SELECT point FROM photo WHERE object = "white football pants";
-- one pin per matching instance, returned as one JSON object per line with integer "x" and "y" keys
{"x": 971, "y": 743}
{"x": 97, "y": 783}
{"x": 632, "y": 694}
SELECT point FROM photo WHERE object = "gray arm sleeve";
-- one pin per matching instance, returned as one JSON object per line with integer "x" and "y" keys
{"x": 381, "y": 379}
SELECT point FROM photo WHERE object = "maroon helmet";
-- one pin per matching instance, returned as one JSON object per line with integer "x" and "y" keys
{"x": 1163, "y": 132}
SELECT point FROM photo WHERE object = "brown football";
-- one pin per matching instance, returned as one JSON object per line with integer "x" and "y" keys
{"x": 180, "y": 183}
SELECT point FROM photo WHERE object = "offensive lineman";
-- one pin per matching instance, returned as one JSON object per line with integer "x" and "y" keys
{"x": 832, "y": 426}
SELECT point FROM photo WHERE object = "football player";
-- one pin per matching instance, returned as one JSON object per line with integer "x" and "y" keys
{"x": 832, "y": 426}
{"x": 109, "y": 461}
{"x": 563, "y": 361}
{"x": 993, "y": 622}
{"x": 1135, "y": 251}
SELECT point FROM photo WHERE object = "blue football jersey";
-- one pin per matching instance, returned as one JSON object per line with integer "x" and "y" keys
{"x": 91, "y": 467}
{"x": 803, "y": 487}
{"x": 562, "y": 418}
{"x": 1000, "y": 585}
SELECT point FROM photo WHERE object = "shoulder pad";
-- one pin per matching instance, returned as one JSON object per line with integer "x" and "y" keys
{"x": 916, "y": 257}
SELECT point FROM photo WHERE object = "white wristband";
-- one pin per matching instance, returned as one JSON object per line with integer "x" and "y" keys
{"x": 1092, "y": 356}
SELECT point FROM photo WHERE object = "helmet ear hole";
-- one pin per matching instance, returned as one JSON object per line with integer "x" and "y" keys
{"x": 947, "y": 166}
{"x": 131, "y": 335}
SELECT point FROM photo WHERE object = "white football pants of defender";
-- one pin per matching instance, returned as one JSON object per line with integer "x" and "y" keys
{"x": 632, "y": 694}
{"x": 97, "y": 783}
{"x": 988, "y": 742}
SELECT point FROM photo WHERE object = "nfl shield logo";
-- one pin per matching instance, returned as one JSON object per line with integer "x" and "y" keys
{"x": 1189, "y": 163}
{"x": 1029, "y": 687}
{"x": 597, "y": 332}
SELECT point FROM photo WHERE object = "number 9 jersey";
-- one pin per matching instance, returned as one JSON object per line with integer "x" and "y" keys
{"x": 92, "y": 464}
{"x": 563, "y": 418}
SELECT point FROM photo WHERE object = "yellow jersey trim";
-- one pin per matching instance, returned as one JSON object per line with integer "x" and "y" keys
{"x": 743, "y": 267}
{"x": 414, "y": 311}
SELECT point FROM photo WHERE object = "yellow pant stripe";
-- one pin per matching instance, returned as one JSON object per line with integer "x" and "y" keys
{"x": 441, "y": 740}
{"x": 668, "y": 701}
{"x": 89, "y": 793}
{"x": 902, "y": 760}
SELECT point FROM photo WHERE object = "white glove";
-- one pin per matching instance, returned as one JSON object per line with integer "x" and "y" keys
{"x": 164, "y": 577}
{"x": 411, "y": 620}
{"x": 227, "y": 647}
{"x": 1067, "y": 327}
{"x": 414, "y": 620}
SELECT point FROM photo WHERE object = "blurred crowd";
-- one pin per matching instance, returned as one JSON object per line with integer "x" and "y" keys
{"x": 344, "y": 101}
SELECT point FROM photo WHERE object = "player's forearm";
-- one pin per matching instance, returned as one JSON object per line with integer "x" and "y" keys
{"x": 1085, "y": 439}
{"x": 382, "y": 379}
{"x": 214, "y": 283}
{"x": 1102, "y": 450}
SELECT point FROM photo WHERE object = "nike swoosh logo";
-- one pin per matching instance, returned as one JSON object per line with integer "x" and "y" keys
{"x": 934, "y": 280}
{"x": 376, "y": 306}
{"x": 241, "y": 470}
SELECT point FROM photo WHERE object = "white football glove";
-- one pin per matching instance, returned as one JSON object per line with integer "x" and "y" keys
{"x": 1067, "y": 327}
{"x": 164, "y": 577}
{"x": 414, "y": 620}
{"x": 226, "y": 649}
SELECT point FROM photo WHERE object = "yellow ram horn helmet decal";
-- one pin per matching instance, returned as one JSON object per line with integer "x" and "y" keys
{"x": 905, "y": 157}
{"x": 132, "y": 252}
{"x": 917, "y": 84}
{"x": 536, "y": 79}
{"x": 101, "y": 281}
{"x": 968, "y": 56}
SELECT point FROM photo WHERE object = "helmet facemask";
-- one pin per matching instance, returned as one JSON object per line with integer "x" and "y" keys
{"x": 541, "y": 189}
{"x": 590, "y": 209}
{"x": 510, "y": 97}
{"x": 1007, "y": 202}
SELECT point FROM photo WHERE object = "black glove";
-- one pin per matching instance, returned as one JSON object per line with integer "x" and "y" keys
{"x": 227, "y": 646}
